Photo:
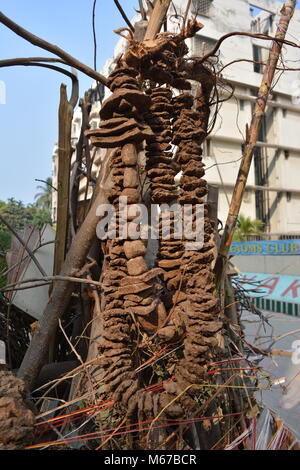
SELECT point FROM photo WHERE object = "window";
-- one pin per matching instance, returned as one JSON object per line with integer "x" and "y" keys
{"x": 201, "y": 7}
{"x": 260, "y": 202}
{"x": 288, "y": 196}
{"x": 258, "y": 167}
{"x": 284, "y": 111}
{"x": 260, "y": 54}
{"x": 202, "y": 45}
{"x": 262, "y": 135}
{"x": 207, "y": 148}
{"x": 256, "y": 58}
{"x": 286, "y": 154}
{"x": 242, "y": 105}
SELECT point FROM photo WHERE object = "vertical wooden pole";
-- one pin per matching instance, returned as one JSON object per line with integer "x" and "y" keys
{"x": 65, "y": 116}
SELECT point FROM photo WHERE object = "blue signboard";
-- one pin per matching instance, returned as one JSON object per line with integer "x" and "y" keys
{"x": 276, "y": 247}
{"x": 277, "y": 287}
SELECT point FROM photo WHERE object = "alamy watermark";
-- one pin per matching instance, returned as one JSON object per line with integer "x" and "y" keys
{"x": 160, "y": 221}
{"x": 2, "y": 92}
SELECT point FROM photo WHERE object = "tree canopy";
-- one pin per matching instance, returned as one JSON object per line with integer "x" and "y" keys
{"x": 19, "y": 215}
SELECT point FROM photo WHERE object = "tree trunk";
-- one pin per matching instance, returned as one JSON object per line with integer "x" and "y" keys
{"x": 65, "y": 116}
{"x": 62, "y": 290}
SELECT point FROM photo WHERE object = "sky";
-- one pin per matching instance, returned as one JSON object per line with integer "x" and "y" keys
{"x": 28, "y": 119}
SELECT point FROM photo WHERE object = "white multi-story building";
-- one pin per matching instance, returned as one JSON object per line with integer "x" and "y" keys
{"x": 273, "y": 189}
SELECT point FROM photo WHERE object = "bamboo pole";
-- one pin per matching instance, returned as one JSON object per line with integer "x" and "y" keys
{"x": 287, "y": 12}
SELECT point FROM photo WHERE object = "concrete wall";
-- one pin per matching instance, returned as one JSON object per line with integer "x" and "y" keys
{"x": 269, "y": 264}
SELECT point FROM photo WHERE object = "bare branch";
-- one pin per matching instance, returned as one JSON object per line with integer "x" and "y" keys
{"x": 124, "y": 16}
{"x": 278, "y": 338}
{"x": 94, "y": 34}
{"x": 24, "y": 60}
{"x": 150, "y": 6}
{"x": 280, "y": 352}
{"x": 264, "y": 37}
{"x": 95, "y": 47}
{"x": 23, "y": 244}
{"x": 142, "y": 10}
{"x": 3, "y": 274}
{"x": 46, "y": 280}
{"x": 37, "y": 41}
{"x": 46, "y": 182}
{"x": 27, "y": 62}
{"x": 186, "y": 13}
{"x": 251, "y": 61}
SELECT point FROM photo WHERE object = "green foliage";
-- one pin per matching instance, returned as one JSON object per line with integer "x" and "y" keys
{"x": 18, "y": 215}
{"x": 39, "y": 217}
{"x": 246, "y": 227}
{"x": 5, "y": 239}
{"x": 15, "y": 213}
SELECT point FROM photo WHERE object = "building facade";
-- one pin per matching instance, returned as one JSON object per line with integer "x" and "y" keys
{"x": 273, "y": 190}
